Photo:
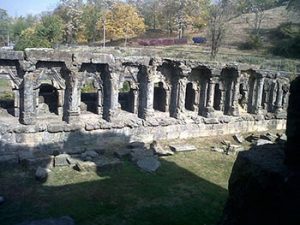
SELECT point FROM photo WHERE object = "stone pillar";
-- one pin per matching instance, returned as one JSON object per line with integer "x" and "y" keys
{"x": 197, "y": 100}
{"x": 211, "y": 94}
{"x": 181, "y": 92}
{"x": 99, "y": 102}
{"x": 135, "y": 101}
{"x": 234, "y": 109}
{"x": 61, "y": 96}
{"x": 279, "y": 98}
{"x": 259, "y": 92}
{"x": 149, "y": 111}
{"x": 28, "y": 113}
{"x": 72, "y": 112}
{"x": 16, "y": 103}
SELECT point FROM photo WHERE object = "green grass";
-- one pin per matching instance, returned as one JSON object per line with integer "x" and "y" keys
{"x": 189, "y": 188}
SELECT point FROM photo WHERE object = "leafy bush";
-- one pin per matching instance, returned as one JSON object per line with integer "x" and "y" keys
{"x": 253, "y": 42}
{"x": 287, "y": 43}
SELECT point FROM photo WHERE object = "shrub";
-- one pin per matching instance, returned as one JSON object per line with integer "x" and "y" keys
{"x": 253, "y": 42}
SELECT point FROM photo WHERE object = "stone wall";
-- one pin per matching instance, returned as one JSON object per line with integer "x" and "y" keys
{"x": 167, "y": 98}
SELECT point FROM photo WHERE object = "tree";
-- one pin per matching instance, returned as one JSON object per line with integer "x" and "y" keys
{"x": 50, "y": 28}
{"x": 4, "y": 26}
{"x": 123, "y": 21}
{"x": 70, "y": 11}
{"x": 30, "y": 39}
{"x": 90, "y": 17}
{"x": 219, "y": 15}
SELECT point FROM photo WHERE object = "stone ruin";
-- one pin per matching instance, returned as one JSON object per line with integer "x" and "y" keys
{"x": 60, "y": 95}
{"x": 265, "y": 180}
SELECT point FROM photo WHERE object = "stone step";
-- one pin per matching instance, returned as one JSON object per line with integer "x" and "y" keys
{"x": 183, "y": 148}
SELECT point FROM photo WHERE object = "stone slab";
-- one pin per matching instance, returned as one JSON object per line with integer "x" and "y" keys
{"x": 183, "y": 148}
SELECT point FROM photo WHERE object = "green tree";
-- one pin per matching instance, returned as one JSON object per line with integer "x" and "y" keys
{"x": 50, "y": 28}
{"x": 30, "y": 39}
{"x": 4, "y": 26}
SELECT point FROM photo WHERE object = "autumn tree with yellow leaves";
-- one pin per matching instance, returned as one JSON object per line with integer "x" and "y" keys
{"x": 123, "y": 21}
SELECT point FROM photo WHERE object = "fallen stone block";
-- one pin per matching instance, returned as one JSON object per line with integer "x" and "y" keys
{"x": 148, "y": 164}
{"x": 62, "y": 160}
{"x": 158, "y": 150}
{"x": 269, "y": 137}
{"x": 41, "y": 174}
{"x": 137, "y": 154}
{"x": 260, "y": 142}
{"x": 121, "y": 153}
{"x": 183, "y": 148}
{"x": 136, "y": 144}
{"x": 238, "y": 138}
{"x": 216, "y": 149}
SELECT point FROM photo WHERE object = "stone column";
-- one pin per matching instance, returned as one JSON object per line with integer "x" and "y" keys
{"x": 259, "y": 92}
{"x": 135, "y": 101}
{"x": 99, "y": 102}
{"x": 28, "y": 113}
{"x": 181, "y": 92}
{"x": 285, "y": 100}
{"x": 211, "y": 94}
{"x": 234, "y": 109}
{"x": 197, "y": 100}
{"x": 61, "y": 96}
{"x": 72, "y": 112}
{"x": 279, "y": 98}
{"x": 16, "y": 103}
{"x": 150, "y": 97}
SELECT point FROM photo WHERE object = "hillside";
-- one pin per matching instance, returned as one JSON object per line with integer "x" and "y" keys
{"x": 238, "y": 28}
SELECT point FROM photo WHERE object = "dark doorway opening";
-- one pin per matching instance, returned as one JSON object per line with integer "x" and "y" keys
{"x": 48, "y": 95}
{"x": 89, "y": 98}
{"x": 7, "y": 97}
{"x": 217, "y": 97}
{"x": 126, "y": 97}
{"x": 189, "y": 97}
{"x": 159, "y": 100}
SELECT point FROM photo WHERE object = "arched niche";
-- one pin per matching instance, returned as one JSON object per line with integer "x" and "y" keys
{"x": 229, "y": 78}
{"x": 10, "y": 82}
{"x": 49, "y": 82}
{"x": 190, "y": 97}
{"x": 126, "y": 97}
{"x": 160, "y": 97}
{"x": 48, "y": 99}
{"x": 217, "y": 97}
{"x": 202, "y": 76}
{"x": 89, "y": 96}
{"x": 95, "y": 88}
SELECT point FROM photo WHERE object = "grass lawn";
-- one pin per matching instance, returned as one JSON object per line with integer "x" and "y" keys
{"x": 189, "y": 188}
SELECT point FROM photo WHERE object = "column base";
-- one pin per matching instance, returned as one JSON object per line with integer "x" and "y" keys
{"x": 72, "y": 116}
{"x": 234, "y": 111}
{"x": 280, "y": 114}
{"x": 28, "y": 118}
{"x": 210, "y": 112}
{"x": 148, "y": 113}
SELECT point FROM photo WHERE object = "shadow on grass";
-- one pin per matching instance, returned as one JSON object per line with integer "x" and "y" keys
{"x": 123, "y": 196}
